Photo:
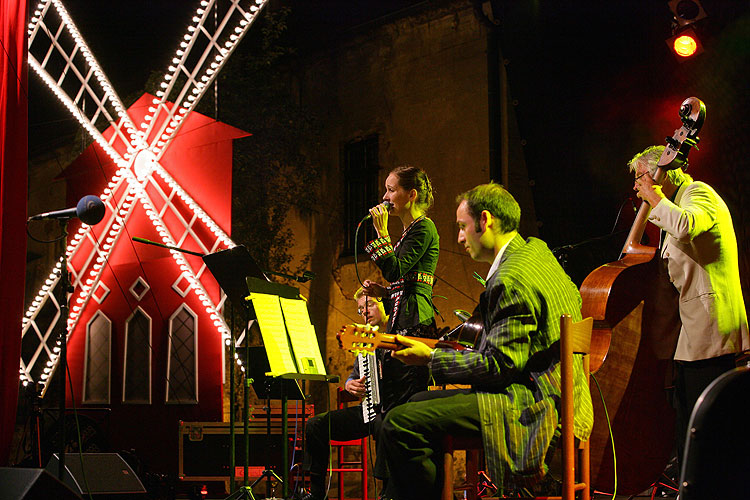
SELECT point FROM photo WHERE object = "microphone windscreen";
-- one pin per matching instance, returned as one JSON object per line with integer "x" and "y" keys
{"x": 90, "y": 210}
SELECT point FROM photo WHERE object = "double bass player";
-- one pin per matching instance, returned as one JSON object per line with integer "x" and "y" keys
{"x": 699, "y": 251}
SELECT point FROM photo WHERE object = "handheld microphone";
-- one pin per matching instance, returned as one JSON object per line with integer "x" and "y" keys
{"x": 90, "y": 209}
{"x": 388, "y": 206}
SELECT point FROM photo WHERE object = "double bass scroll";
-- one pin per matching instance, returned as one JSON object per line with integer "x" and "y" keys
{"x": 692, "y": 115}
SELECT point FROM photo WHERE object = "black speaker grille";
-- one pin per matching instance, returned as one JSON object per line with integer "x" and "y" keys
{"x": 105, "y": 473}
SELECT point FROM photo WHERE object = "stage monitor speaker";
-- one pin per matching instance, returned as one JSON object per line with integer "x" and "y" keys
{"x": 32, "y": 484}
{"x": 107, "y": 475}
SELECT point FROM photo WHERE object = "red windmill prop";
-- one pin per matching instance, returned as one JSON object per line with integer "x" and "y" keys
{"x": 143, "y": 320}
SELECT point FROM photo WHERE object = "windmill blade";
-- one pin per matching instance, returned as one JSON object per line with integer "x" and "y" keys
{"x": 156, "y": 201}
{"x": 60, "y": 56}
{"x": 202, "y": 53}
{"x": 199, "y": 213}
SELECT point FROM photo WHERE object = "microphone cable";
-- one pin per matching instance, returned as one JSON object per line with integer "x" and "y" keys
{"x": 356, "y": 238}
{"x": 619, "y": 212}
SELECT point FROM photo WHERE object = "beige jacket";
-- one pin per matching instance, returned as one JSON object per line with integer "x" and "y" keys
{"x": 700, "y": 250}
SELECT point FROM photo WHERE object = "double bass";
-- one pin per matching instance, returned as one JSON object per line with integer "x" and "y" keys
{"x": 636, "y": 321}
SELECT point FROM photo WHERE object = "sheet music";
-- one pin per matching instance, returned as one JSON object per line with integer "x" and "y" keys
{"x": 273, "y": 330}
{"x": 368, "y": 368}
{"x": 302, "y": 335}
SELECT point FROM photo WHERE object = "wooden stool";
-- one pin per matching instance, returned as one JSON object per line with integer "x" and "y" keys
{"x": 473, "y": 447}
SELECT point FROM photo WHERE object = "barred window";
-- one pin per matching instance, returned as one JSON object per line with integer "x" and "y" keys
{"x": 97, "y": 364}
{"x": 182, "y": 368}
{"x": 136, "y": 381}
{"x": 361, "y": 190}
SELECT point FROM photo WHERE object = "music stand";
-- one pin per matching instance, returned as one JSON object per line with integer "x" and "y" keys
{"x": 259, "y": 367}
{"x": 287, "y": 372}
{"x": 257, "y": 285}
{"x": 268, "y": 388}
{"x": 231, "y": 268}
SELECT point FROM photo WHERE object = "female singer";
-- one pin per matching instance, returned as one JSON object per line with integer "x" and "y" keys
{"x": 410, "y": 264}
{"x": 410, "y": 267}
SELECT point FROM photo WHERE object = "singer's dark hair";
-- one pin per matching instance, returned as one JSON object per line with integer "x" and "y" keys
{"x": 411, "y": 177}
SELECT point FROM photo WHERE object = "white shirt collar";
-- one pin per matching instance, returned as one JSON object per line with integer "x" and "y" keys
{"x": 496, "y": 262}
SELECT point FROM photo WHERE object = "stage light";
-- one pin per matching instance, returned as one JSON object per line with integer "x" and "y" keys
{"x": 686, "y": 11}
{"x": 684, "y": 41}
{"x": 685, "y": 44}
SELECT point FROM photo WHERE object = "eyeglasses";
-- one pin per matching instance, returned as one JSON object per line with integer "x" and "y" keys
{"x": 371, "y": 301}
{"x": 639, "y": 176}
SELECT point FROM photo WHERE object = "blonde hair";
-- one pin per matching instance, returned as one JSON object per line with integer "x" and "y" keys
{"x": 650, "y": 158}
{"x": 361, "y": 291}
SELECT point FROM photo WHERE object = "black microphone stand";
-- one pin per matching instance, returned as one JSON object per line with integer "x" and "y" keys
{"x": 63, "y": 339}
{"x": 90, "y": 210}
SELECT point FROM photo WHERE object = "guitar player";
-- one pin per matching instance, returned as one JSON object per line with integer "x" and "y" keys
{"x": 513, "y": 371}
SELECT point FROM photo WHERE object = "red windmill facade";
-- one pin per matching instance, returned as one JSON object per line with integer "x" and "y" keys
{"x": 145, "y": 330}
{"x": 144, "y": 346}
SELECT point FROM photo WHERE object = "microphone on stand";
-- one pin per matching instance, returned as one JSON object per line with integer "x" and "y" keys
{"x": 388, "y": 206}
{"x": 90, "y": 209}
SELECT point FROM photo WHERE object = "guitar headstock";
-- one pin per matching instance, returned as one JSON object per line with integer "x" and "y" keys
{"x": 358, "y": 338}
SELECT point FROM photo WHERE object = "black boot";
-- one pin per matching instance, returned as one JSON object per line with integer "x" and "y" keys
{"x": 317, "y": 488}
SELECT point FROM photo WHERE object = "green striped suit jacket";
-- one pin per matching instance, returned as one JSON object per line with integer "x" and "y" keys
{"x": 515, "y": 368}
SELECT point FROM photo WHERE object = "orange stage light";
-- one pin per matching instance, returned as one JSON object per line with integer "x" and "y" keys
{"x": 685, "y": 45}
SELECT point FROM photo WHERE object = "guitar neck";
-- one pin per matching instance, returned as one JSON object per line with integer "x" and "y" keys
{"x": 361, "y": 338}
{"x": 388, "y": 341}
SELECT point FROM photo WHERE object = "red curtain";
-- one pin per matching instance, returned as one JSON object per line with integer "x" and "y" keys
{"x": 13, "y": 185}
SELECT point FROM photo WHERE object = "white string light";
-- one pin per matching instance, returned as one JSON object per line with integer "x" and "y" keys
{"x": 85, "y": 290}
{"x": 137, "y": 141}
{"x": 179, "y": 257}
{"x": 82, "y": 48}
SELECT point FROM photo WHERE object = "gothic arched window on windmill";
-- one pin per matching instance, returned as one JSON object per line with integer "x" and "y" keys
{"x": 182, "y": 363}
{"x": 98, "y": 365}
{"x": 136, "y": 380}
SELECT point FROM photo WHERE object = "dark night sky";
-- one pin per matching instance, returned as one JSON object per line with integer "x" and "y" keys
{"x": 131, "y": 39}
{"x": 594, "y": 82}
